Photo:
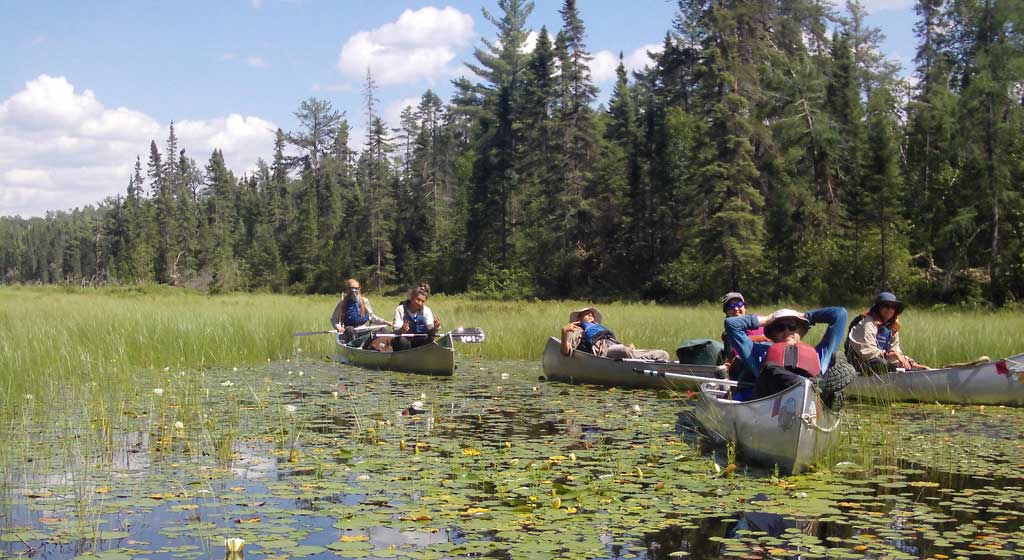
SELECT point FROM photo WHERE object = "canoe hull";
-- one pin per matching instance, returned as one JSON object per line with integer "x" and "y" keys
{"x": 429, "y": 359}
{"x": 998, "y": 382}
{"x": 581, "y": 367}
{"x": 791, "y": 429}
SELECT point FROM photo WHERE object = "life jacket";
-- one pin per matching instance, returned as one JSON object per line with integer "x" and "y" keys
{"x": 884, "y": 337}
{"x": 592, "y": 333}
{"x": 355, "y": 313}
{"x": 417, "y": 323}
{"x": 799, "y": 358}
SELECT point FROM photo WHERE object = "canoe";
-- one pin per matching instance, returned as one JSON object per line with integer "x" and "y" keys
{"x": 436, "y": 358}
{"x": 998, "y": 382}
{"x": 581, "y": 367}
{"x": 791, "y": 429}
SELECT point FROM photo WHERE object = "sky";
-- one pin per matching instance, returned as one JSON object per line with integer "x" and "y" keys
{"x": 85, "y": 85}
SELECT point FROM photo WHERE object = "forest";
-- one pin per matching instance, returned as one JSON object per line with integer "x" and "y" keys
{"x": 770, "y": 147}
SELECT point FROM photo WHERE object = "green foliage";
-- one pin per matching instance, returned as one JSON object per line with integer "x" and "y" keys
{"x": 768, "y": 147}
{"x": 495, "y": 282}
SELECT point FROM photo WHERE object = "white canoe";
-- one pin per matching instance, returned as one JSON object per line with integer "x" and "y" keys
{"x": 998, "y": 382}
{"x": 581, "y": 367}
{"x": 791, "y": 429}
{"x": 436, "y": 358}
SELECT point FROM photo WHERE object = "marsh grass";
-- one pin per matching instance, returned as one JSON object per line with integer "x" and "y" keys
{"x": 104, "y": 344}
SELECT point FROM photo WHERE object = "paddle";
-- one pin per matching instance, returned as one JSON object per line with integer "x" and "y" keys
{"x": 461, "y": 334}
{"x": 672, "y": 375}
{"x": 357, "y": 329}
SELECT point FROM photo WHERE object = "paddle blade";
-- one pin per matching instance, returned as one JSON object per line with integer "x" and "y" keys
{"x": 311, "y": 333}
{"x": 468, "y": 334}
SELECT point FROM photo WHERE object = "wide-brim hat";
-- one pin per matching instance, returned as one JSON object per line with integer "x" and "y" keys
{"x": 786, "y": 314}
{"x": 888, "y": 297}
{"x": 731, "y": 296}
{"x": 574, "y": 316}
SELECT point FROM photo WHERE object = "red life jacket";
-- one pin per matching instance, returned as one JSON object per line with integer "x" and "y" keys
{"x": 799, "y": 358}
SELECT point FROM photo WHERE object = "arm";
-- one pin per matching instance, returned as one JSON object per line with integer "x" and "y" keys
{"x": 863, "y": 340}
{"x": 338, "y": 316}
{"x": 433, "y": 323}
{"x": 567, "y": 333}
{"x": 399, "y": 318}
{"x": 835, "y": 318}
{"x": 736, "y": 333}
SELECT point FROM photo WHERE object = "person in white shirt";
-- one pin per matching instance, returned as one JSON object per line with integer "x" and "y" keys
{"x": 413, "y": 317}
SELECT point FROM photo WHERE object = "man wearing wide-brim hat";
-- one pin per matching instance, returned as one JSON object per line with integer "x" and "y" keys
{"x": 585, "y": 333}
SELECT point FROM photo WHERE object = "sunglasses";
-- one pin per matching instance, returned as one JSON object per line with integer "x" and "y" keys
{"x": 736, "y": 305}
{"x": 787, "y": 326}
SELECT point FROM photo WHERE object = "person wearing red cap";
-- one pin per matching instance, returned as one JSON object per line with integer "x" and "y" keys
{"x": 585, "y": 333}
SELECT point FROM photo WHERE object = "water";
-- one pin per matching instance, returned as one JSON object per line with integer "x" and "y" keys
{"x": 342, "y": 462}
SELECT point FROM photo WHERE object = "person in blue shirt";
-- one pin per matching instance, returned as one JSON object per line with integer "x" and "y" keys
{"x": 786, "y": 360}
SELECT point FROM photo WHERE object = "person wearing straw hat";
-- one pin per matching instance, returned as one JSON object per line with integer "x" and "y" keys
{"x": 873, "y": 342}
{"x": 585, "y": 333}
{"x": 786, "y": 360}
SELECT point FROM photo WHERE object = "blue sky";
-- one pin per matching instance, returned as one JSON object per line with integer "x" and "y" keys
{"x": 84, "y": 85}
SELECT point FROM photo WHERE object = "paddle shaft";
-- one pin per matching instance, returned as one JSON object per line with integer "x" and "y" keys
{"x": 672, "y": 375}
{"x": 357, "y": 329}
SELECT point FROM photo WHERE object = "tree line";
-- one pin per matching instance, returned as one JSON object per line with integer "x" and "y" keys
{"x": 769, "y": 147}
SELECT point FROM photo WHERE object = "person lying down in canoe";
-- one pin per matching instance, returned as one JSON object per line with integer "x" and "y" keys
{"x": 786, "y": 360}
{"x": 585, "y": 333}
{"x": 873, "y": 342}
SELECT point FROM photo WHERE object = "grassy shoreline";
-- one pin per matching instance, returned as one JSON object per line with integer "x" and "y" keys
{"x": 55, "y": 337}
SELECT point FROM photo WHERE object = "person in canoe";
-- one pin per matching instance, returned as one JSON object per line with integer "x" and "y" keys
{"x": 734, "y": 305}
{"x": 873, "y": 342}
{"x": 413, "y": 317}
{"x": 786, "y": 359}
{"x": 352, "y": 312}
{"x": 585, "y": 333}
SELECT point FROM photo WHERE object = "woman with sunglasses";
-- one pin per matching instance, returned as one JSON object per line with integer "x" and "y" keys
{"x": 734, "y": 305}
{"x": 873, "y": 343}
{"x": 786, "y": 360}
{"x": 352, "y": 311}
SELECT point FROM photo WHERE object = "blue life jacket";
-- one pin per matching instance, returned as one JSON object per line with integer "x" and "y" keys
{"x": 593, "y": 332}
{"x": 417, "y": 324}
{"x": 884, "y": 337}
{"x": 355, "y": 313}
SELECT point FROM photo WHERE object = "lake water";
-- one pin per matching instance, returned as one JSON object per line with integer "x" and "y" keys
{"x": 311, "y": 459}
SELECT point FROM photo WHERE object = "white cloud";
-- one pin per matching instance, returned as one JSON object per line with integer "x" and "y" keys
{"x": 604, "y": 63}
{"x": 392, "y": 113}
{"x": 256, "y": 62}
{"x": 60, "y": 148}
{"x": 419, "y": 46}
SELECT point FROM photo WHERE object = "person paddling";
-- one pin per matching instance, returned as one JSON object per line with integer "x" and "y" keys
{"x": 873, "y": 342}
{"x": 353, "y": 311}
{"x": 786, "y": 360}
{"x": 585, "y": 333}
{"x": 413, "y": 317}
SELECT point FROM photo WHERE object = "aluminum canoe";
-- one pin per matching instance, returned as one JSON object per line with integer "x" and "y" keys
{"x": 436, "y": 358}
{"x": 581, "y": 367}
{"x": 791, "y": 429}
{"x": 998, "y": 382}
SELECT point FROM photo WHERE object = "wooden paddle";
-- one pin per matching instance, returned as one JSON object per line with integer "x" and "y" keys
{"x": 980, "y": 360}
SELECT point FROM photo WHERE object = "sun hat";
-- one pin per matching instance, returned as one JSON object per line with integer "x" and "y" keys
{"x": 786, "y": 314}
{"x": 574, "y": 316}
{"x": 731, "y": 296}
{"x": 887, "y": 297}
